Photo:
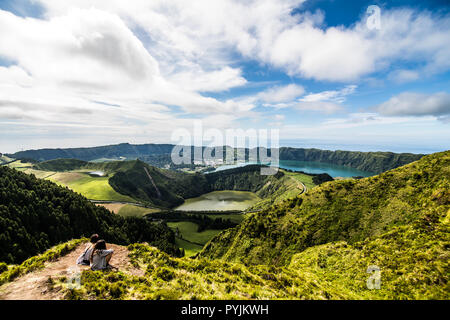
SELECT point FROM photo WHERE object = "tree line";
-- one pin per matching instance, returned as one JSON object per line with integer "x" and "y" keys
{"x": 36, "y": 214}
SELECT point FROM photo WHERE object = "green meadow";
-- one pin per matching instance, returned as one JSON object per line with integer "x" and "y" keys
{"x": 94, "y": 188}
{"x": 129, "y": 210}
{"x": 189, "y": 248}
{"x": 300, "y": 177}
{"x": 189, "y": 232}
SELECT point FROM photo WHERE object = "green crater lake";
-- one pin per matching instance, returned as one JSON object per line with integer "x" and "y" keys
{"x": 220, "y": 201}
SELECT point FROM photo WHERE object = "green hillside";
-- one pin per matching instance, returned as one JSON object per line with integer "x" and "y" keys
{"x": 413, "y": 263}
{"x": 174, "y": 186}
{"x": 36, "y": 214}
{"x": 347, "y": 210}
{"x": 375, "y": 162}
{"x": 318, "y": 245}
{"x": 60, "y": 165}
{"x": 159, "y": 155}
{"x": 171, "y": 189}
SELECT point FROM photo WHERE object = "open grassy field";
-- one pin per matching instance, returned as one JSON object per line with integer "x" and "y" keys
{"x": 306, "y": 179}
{"x": 4, "y": 159}
{"x": 189, "y": 232}
{"x": 127, "y": 210}
{"x": 130, "y": 210}
{"x": 19, "y": 165}
{"x": 113, "y": 207}
{"x": 94, "y": 188}
{"x": 190, "y": 249}
{"x": 40, "y": 174}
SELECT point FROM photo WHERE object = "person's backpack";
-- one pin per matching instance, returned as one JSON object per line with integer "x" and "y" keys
{"x": 81, "y": 259}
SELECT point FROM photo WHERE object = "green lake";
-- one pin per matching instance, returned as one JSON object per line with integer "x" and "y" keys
{"x": 220, "y": 201}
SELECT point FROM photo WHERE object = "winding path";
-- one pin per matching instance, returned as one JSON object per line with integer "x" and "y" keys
{"x": 36, "y": 285}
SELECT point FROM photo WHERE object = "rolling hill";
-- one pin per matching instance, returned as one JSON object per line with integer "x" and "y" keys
{"x": 159, "y": 154}
{"x": 318, "y": 245}
{"x": 36, "y": 214}
{"x": 347, "y": 210}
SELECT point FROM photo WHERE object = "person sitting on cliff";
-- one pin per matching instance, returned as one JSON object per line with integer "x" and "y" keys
{"x": 83, "y": 259}
{"x": 100, "y": 256}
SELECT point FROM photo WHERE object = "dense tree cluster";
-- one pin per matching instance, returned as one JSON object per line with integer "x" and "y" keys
{"x": 175, "y": 186}
{"x": 375, "y": 162}
{"x": 343, "y": 210}
{"x": 36, "y": 214}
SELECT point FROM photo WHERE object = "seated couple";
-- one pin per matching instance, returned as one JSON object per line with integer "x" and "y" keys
{"x": 96, "y": 255}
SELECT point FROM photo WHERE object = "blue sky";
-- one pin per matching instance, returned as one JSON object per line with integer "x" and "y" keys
{"x": 88, "y": 73}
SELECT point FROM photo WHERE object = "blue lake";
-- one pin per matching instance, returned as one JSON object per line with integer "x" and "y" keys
{"x": 310, "y": 167}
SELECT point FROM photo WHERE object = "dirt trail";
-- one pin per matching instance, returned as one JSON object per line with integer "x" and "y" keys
{"x": 34, "y": 285}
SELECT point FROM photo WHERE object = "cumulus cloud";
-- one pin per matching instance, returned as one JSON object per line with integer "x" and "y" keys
{"x": 327, "y": 102}
{"x": 319, "y": 106}
{"x": 416, "y": 104}
{"x": 197, "y": 79}
{"x": 279, "y": 94}
{"x": 402, "y": 76}
{"x": 89, "y": 47}
{"x": 332, "y": 95}
{"x": 198, "y": 32}
{"x": 92, "y": 55}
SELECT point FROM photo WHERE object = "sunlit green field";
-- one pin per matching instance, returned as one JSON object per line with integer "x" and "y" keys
{"x": 306, "y": 179}
{"x": 127, "y": 210}
{"x": 94, "y": 188}
{"x": 4, "y": 159}
{"x": 38, "y": 173}
{"x": 190, "y": 249}
{"x": 19, "y": 165}
{"x": 220, "y": 201}
{"x": 130, "y": 210}
{"x": 189, "y": 232}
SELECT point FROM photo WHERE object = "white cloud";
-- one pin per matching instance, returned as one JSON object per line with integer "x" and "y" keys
{"x": 85, "y": 47}
{"x": 91, "y": 55}
{"x": 207, "y": 33}
{"x": 319, "y": 106}
{"x": 327, "y": 102}
{"x": 197, "y": 79}
{"x": 416, "y": 104}
{"x": 279, "y": 94}
{"x": 332, "y": 95}
{"x": 402, "y": 76}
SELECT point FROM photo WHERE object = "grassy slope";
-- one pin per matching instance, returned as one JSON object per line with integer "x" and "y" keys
{"x": 330, "y": 271}
{"x": 129, "y": 210}
{"x": 189, "y": 232}
{"x": 74, "y": 174}
{"x": 279, "y": 190}
{"x": 94, "y": 188}
{"x": 403, "y": 227}
{"x": 348, "y": 210}
{"x": 376, "y": 162}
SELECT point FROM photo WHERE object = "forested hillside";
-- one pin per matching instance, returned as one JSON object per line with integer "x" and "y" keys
{"x": 174, "y": 186}
{"x": 375, "y": 162}
{"x": 340, "y": 211}
{"x": 159, "y": 155}
{"x": 36, "y": 214}
{"x": 91, "y": 153}
{"x": 168, "y": 188}
{"x": 315, "y": 246}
